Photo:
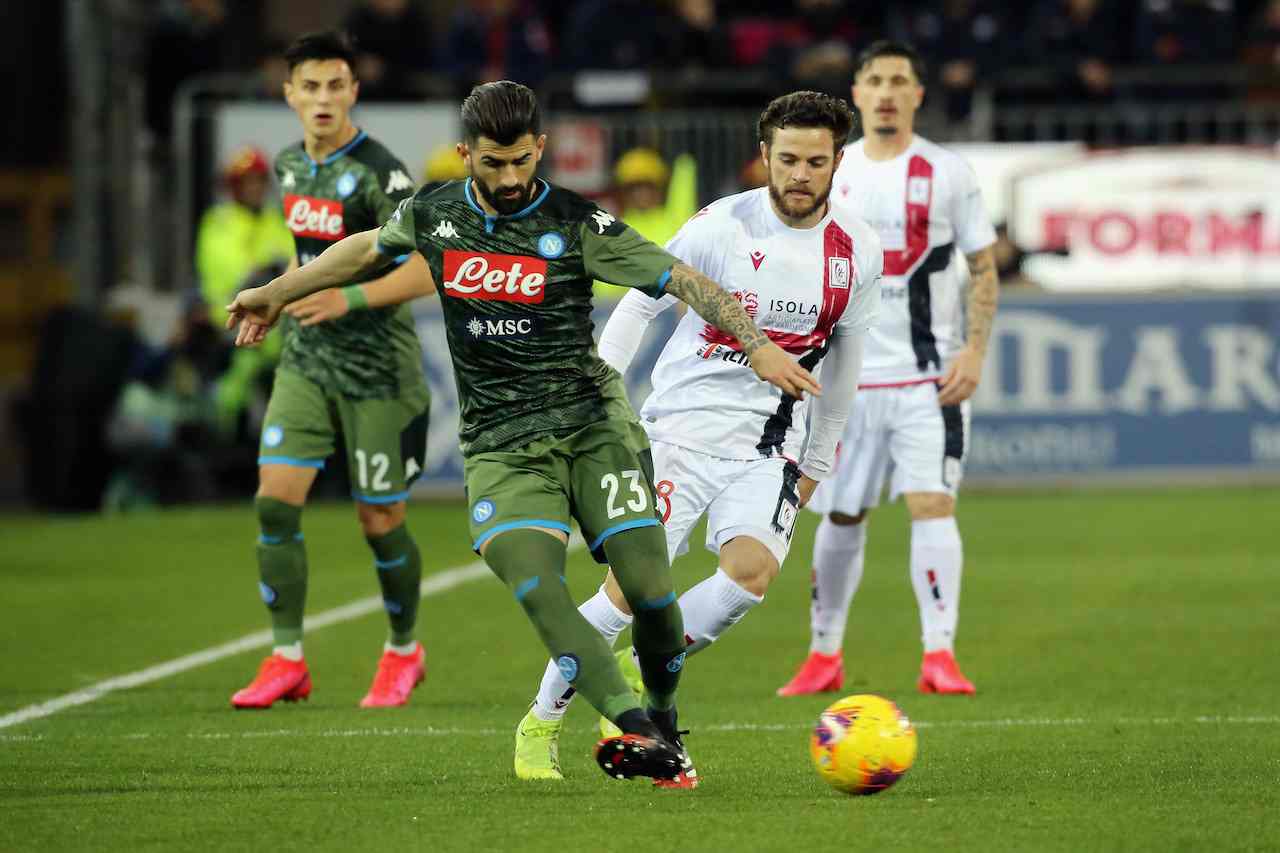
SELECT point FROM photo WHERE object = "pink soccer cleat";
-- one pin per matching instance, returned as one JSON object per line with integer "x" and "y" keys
{"x": 939, "y": 673}
{"x": 819, "y": 674}
{"x": 278, "y": 679}
{"x": 397, "y": 676}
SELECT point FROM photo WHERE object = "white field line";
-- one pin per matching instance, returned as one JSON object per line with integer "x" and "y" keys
{"x": 436, "y": 584}
{"x": 433, "y": 731}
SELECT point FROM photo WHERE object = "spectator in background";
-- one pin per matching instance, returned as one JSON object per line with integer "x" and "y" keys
{"x": 654, "y": 200}
{"x": 815, "y": 49}
{"x": 491, "y": 40}
{"x": 237, "y": 242}
{"x": 1078, "y": 40}
{"x": 693, "y": 37}
{"x": 617, "y": 35}
{"x": 963, "y": 39}
{"x": 240, "y": 235}
{"x": 1190, "y": 31}
{"x": 392, "y": 43}
{"x": 1262, "y": 49}
{"x": 189, "y": 38}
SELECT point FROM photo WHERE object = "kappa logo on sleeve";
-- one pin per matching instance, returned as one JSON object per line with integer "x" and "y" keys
{"x": 603, "y": 220}
{"x": 397, "y": 181}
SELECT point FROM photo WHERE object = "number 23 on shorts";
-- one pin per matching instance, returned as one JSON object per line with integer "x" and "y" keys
{"x": 633, "y": 493}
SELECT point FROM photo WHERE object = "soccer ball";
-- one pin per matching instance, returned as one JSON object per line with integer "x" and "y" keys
{"x": 862, "y": 744}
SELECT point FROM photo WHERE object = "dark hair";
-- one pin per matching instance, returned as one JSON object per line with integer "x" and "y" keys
{"x": 886, "y": 47}
{"x": 807, "y": 109}
{"x": 329, "y": 44}
{"x": 503, "y": 111}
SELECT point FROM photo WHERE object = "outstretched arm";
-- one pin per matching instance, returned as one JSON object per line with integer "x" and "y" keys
{"x": 257, "y": 309}
{"x": 405, "y": 283}
{"x": 719, "y": 308}
{"x": 625, "y": 330}
{"x": 984, "y": 293}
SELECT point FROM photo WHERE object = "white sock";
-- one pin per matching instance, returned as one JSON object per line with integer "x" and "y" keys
{"x": 293, "y": 651}
{"x": 838, "y": 554}
{"x": 936, "y": 562}
{"x": 404, "y": 651}
{"x": 710, "y": 607}
{"x": 554, "y": 693}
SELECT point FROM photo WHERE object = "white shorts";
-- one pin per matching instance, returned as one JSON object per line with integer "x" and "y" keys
{"x": 901, "y": 435}
{"x": 754, "y": 497}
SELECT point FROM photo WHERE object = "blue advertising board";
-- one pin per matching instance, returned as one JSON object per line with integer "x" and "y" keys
{"x": 1125, "y": 387}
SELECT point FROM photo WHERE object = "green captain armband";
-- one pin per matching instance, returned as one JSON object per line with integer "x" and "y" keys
{"x": 356, "y": 300}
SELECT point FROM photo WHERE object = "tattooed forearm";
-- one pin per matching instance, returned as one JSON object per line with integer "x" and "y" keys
{"x": 715, "y": 305}
{"x": 984, "y": 293}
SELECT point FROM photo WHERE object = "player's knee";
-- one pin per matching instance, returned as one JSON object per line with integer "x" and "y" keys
{"x": 276, "y": 518}
{"x": 749, "y": 564}
{"x": 287, "y": 483}
{"x": 842, "y": 520}
{"x": 924, "y": 506}
{"x": 380, "y": 519}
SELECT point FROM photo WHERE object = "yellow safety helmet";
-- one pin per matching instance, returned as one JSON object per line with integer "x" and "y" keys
{"x": 641, "y": 166}
{"x": 444, "y": 163}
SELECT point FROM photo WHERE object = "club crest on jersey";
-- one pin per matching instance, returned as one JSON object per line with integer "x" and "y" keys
{"x": 318, "y": 218}
{"x": 346, "y": 185}
{"x": 551, "y": 245}
{"x": 505, "y": 278}
{"x": 838, "y": 273}
{"x": 918, "y": 190}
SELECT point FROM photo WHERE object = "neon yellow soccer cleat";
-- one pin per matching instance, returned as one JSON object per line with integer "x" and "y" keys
{"x": 538, "y": 748}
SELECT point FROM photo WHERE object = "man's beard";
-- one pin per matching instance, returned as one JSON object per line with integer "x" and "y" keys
{"x": 780, "y": 201}
{"x": 506, "y": 206}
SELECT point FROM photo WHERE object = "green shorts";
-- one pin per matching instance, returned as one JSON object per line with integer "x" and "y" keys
{"x": 386, "y": 439}
{"x": 602, "y": 475}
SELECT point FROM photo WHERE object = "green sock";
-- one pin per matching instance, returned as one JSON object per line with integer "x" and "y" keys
{"x": 399, "y": 565}
{"x": 638, "y": 559}
{"x": 531, "y": 564}
{"x": 282, "y": 567}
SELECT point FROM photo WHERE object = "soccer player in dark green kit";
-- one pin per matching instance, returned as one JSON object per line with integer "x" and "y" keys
{"x": 351, "y": 363}
{"x": 547, "y": 432}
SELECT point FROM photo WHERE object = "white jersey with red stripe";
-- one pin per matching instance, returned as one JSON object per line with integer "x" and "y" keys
{"x": 802, "y": 287}
{"x": 925, "y": 204}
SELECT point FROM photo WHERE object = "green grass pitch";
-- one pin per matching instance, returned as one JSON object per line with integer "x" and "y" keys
{"x": 1124, "y": 644}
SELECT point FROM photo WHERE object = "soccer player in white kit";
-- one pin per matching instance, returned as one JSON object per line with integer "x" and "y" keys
{"x": 910, "y": 422}
{"x": 724, "y": 444}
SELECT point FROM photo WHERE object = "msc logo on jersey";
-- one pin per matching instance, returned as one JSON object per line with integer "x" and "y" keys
{"x": 346, "y": 185}
{"x": 397, "y": 181}
{"x": 445, "y": 229}
{"x": 838, "y": 273}
{"x": 551, "y": 245}
{"x": 318, "y": 218}
{"x": 505, "y": 278}
{"x": 501, "y": 327}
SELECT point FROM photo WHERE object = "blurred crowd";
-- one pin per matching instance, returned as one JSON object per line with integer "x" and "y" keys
{"x": 407, "y": 46}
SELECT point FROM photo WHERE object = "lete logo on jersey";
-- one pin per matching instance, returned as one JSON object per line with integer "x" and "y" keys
{"x": 505, "y": 278}
{"x": 318, "y": 218}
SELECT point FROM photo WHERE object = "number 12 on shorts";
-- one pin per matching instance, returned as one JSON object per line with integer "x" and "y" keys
{"x": 379, "y": 462}
{"x": 638, "y": 501}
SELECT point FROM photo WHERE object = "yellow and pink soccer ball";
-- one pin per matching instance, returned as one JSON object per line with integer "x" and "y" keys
{"x": 862, "y": 744}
